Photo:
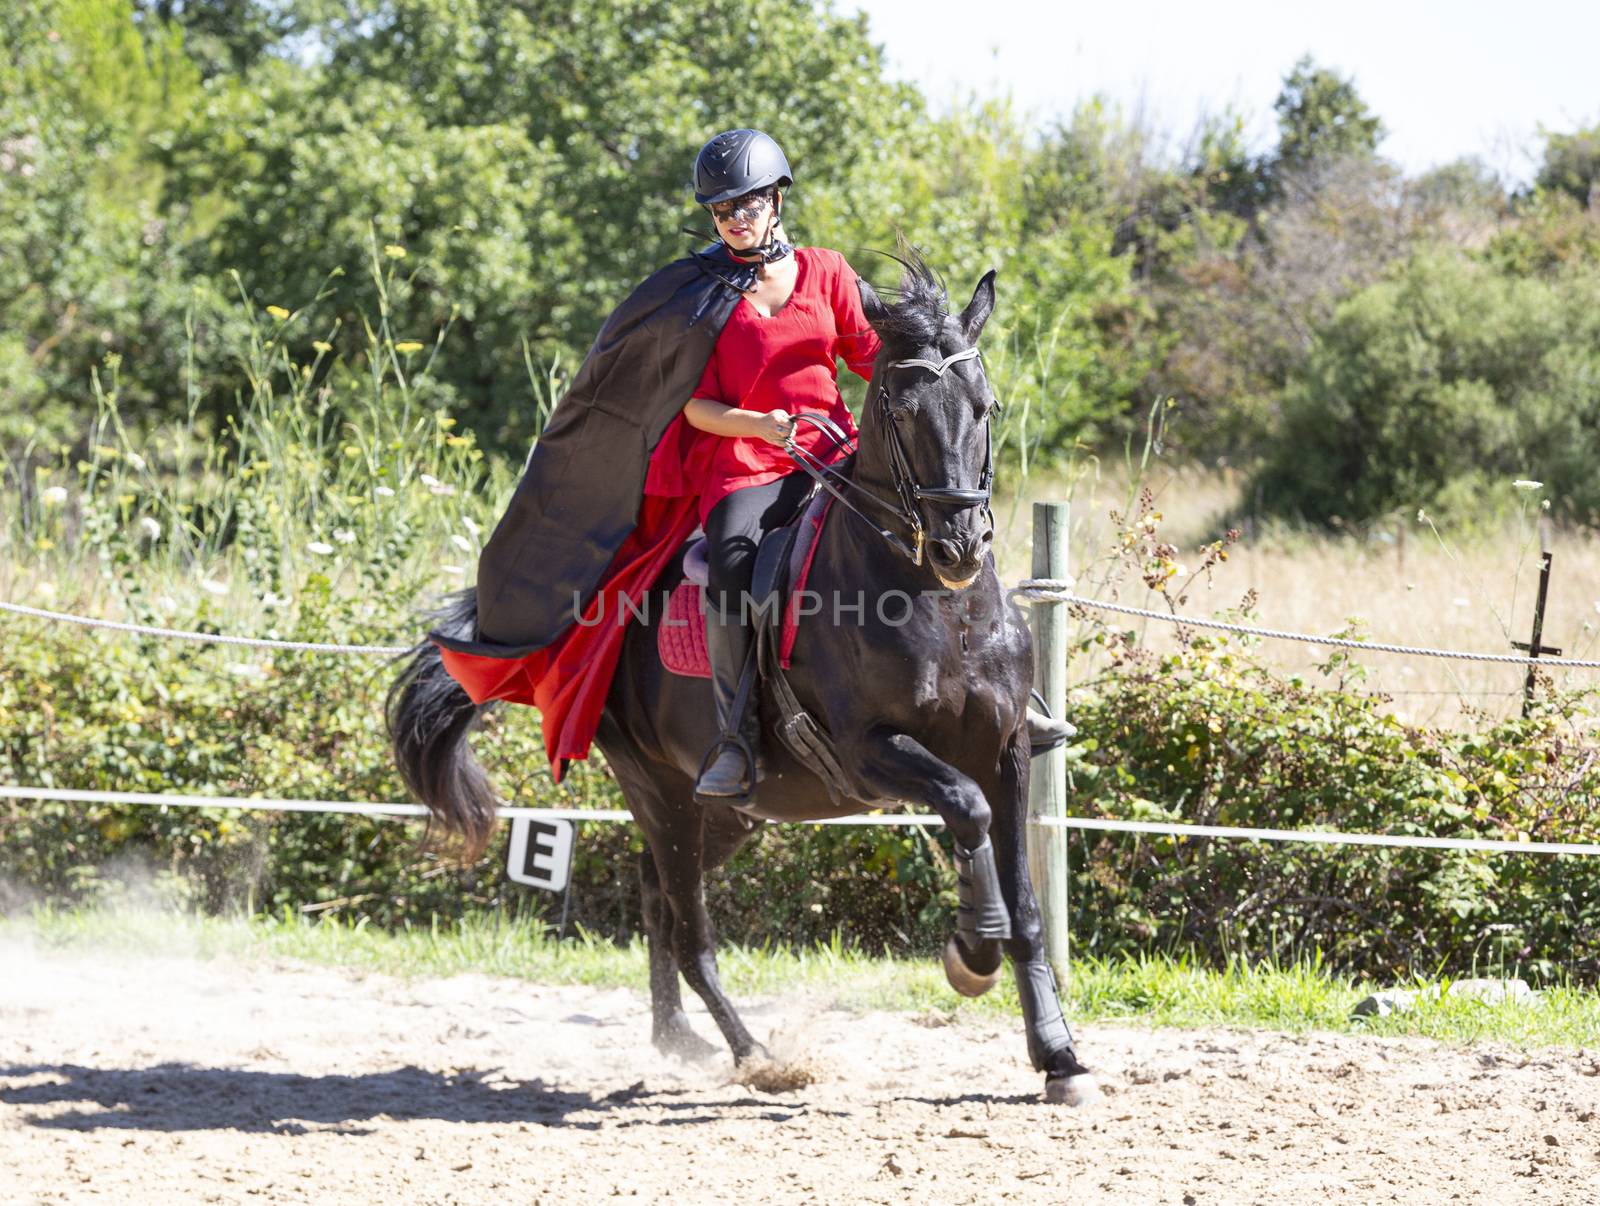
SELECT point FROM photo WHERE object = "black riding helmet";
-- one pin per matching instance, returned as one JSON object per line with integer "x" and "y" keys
{"x": 738, "y": 162}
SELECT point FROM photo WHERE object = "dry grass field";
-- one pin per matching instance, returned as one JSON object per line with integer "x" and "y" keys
{"x": 1411, "y": 584}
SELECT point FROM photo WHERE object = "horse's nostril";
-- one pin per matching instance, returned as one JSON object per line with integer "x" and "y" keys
{"x": 951, "y": 554}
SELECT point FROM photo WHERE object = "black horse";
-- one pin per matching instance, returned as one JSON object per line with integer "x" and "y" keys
{"x": 923, "y": 690}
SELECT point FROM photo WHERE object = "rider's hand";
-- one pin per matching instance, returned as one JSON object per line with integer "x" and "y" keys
{"x": 776, "y": 426}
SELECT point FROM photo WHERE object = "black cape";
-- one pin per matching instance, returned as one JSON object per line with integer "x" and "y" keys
{"x": 583, "y": 482}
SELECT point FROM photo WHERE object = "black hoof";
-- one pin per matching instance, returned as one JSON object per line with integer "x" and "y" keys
{"x": 756, "y": 1052}
{"x": 677, "y": 1038}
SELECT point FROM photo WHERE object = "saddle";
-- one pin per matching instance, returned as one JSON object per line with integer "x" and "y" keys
{"x": 782, "y": 565}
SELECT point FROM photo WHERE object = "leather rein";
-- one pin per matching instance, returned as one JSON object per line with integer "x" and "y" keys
{"x": 908, "y": 490}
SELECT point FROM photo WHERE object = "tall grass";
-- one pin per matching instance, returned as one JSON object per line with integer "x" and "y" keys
{"x": 354, "y": 471}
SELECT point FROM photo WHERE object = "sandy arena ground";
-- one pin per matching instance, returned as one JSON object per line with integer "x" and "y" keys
{"x": 167, "y": 1080}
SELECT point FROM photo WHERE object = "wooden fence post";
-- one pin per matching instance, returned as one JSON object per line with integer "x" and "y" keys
{"x": 1047, "y": 785}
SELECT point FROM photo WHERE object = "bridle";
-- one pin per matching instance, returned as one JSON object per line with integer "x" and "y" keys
{"x": 907, "y": 489}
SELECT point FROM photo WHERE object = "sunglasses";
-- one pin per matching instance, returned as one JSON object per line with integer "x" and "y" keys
{"x": 747, "y": 208}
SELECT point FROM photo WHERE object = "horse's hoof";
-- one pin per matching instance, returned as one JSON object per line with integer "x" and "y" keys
{"x": 961, "y": 977}
{"x": 678, "y": 1039}
{"x": 1071, "y": 1090}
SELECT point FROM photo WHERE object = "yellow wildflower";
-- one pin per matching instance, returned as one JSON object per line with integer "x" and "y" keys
{"x": 407, "y": 347}
{"x": 457, "y": 441}
{"x": 278, "y": 312}
{"x": 321, "y": 346}
{"x": 394, "y": 251}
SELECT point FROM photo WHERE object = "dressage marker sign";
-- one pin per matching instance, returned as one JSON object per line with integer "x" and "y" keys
{"x": 540, "y": 853}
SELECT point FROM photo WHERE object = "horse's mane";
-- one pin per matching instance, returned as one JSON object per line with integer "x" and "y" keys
{"x": 916, "y": 310}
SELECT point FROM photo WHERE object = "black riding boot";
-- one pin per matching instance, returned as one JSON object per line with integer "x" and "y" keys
{"x": 727, "y": 773}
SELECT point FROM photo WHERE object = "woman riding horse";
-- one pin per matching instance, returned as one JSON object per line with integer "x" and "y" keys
{"x": 677, "y": 415}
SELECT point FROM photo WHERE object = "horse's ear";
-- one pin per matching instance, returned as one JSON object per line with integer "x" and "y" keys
{"x": 871, "y": 304}
{"x": 979, "y": 308}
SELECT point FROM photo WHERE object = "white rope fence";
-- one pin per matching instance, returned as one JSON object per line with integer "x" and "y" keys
{"x": 1057, "y": 590}
{"x": 179, "y": 634}
{"x": 1107, "y": 824}
{"x": 1033, "y": 590}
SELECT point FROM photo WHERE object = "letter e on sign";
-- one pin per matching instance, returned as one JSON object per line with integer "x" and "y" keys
{"x": 540, "y": 854}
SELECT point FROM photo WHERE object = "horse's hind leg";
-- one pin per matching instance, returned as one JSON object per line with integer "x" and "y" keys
{"x": 1050, "y": 1045}
{"x": 683, "y": 839}
{"x": 669, "y": 1025}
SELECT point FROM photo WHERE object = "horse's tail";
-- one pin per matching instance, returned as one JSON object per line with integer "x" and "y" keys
{"x": 429, "y": 717}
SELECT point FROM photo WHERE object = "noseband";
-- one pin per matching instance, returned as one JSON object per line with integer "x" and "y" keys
{"x": 909, "y": 491}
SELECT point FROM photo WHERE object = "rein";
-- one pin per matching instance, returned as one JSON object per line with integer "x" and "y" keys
{"x": 909, "y": 491}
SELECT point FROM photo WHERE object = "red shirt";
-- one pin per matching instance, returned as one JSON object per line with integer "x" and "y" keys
{"x": 762, "y": 364}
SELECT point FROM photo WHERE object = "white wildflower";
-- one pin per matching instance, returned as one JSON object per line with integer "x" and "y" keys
{"x": 149, "y": 528}
{"x": 273, "y": 599}
{"x": 1526, "y": 486}
{"x": 343, "y": 535}
{"x": 453, "y": 570}
{"x": 461, "y": 542}
{"x": 252, "y": 554}
{"x": 212, "y": 586}
{"x": 1545, "y": 504}
{"x": 245, "y": 669}
{"x": 167, "y": 603}
{"x": 428, "y": 480}
{"x": 319, "y": 548}
{"x": 47, "y": 590}
{"x": 383, "y": 491}
{"x": 135, "y": 460}
{"x": 54, "y": 496}
{"x": 442, "y": 489}
{"x": 471, "y": 525}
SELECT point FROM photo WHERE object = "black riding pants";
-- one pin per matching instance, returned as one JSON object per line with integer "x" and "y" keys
{"x": 733, "y": 532}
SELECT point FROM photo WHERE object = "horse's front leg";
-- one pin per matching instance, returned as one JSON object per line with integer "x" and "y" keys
{"x": 1050, "y": 1046}
{"x": 889, "y": 765}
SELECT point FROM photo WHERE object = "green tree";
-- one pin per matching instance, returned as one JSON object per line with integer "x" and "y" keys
{"x": 1321, "y": 116}
{"x": 1438, "y": 387}
{"x": 221, "y": 36}
{"x": 85, "y": 265}
{"x": 1572, "y": 165}
{"x": 523, "y": 155}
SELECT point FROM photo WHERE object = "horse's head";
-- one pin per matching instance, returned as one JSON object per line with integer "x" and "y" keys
{"x": 925, "y": 431}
